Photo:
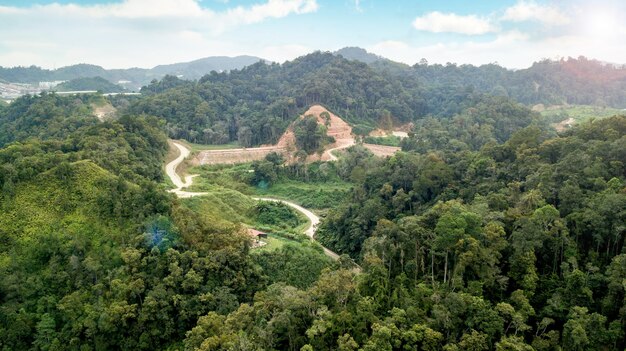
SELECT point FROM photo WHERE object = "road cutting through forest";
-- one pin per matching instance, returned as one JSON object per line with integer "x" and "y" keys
{"x": 180, "y": 184}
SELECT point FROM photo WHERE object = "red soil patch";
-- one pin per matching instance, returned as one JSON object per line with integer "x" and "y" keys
{"x": 338, "y": 129}
{"x": 382, "y": 150}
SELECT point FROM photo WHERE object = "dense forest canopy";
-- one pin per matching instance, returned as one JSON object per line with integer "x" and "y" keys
{"x": 265, "y": 98}
{"x": 94, "y": 253}
{"x": 488, "y": 231}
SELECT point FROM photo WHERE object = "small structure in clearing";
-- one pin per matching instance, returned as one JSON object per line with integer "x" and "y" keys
{"x": 256, "y": 236}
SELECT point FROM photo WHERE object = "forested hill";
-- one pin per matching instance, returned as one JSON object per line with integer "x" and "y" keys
{"x": 572, "y": 81}
{"x": 576, "y": 81}
{"x": 94, "y": 254}
{"x": 487, "y": 232}
{"x": 254, "y": 105}
{"x": 96, "y": 83}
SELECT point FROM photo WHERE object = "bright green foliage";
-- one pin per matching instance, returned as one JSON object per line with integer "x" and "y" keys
{"x": 497, "y": 235}
{"x": 390, "y": 140}
{"x": 94, "y": 255}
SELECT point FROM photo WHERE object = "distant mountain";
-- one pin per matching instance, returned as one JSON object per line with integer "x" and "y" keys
{"x": 131, "y": 78}
{"x": 198, "y": 68}
{"x": 377, "y": 62}
{"x": 358, "y": 54}
{"x": 89, "y": 83}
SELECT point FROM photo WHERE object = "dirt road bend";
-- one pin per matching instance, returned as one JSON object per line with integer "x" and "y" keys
{"x": 170, "y": 170}
{"x": 315, "y": 220}
{"x": 179, "y": 183}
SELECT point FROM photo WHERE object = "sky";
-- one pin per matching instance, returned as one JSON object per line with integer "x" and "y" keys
{"x": 146, "y": 33}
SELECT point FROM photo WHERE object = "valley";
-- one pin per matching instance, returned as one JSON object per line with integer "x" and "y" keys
{"x": 188, "y": 181}
{"x": 324, "y": 203}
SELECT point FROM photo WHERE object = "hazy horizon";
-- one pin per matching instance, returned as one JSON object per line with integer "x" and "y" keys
{"x": 304, "y": 54}
{"x": 144, "y": 34}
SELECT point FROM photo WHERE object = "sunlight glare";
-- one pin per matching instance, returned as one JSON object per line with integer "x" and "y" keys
{"x": 601, "y": 26}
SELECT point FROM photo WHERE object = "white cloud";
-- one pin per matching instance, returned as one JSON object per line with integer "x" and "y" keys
{"x": 5, "y": 10}
{"x": 134, "y": 32}
{"x": 282, "y": 53}
{"x": 531, "y": 11}
{"x": 438, "y": 22}
{"x": 270, "y": 9}
{"x": 357, "y": 6}
{"x": 161, "y": 9}
{"x": 511, "y": 49}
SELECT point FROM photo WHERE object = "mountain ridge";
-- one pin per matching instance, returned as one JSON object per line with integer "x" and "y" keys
{"x": 131, "y": 78}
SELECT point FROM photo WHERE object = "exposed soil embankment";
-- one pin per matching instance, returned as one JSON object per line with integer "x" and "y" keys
{"x": 337, "y": 128}
{"x": 382, "y": 150}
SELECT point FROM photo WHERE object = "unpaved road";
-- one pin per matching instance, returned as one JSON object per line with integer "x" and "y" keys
{"x": 170, "y": 170}
{"x": 315, "y": 220}
{"x": 332, "y": 157}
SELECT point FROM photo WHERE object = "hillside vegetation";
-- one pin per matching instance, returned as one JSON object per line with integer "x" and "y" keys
{"x": 256, "y": 104}
{"x": 488, "y": 231}
{"x": 89, "y": 83}
{"x": 94, "y": 254}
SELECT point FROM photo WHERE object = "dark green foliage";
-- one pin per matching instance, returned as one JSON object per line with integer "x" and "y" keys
{"x": 46, "y": 116}
{"x": 489, "y": 232}
{"x": 132, "y": 146}
{"x": 566, "y": 81}
{"x": 94, "y": 255}
{"x": 89, "y": 83}
{"x": 296, "y": 265}
{"x": 511, "y": 247}
{"x": 310, "y": 136}
{"x": 524, "y": 231}
{"x": 256, "y": 104}
{"x": 275, "y": 214}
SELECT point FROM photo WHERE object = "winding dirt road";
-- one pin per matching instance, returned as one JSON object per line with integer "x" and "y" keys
{"x": 315, "y": 220}
{"x": 170, "y": 170}
{"x": 331, "y": 156}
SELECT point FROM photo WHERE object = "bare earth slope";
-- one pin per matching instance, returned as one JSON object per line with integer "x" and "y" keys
{"x": 337, "y": 128}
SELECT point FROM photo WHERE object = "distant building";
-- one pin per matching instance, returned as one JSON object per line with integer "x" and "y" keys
{"x": 49, "y": 85}
{"x": 256, "y": 234}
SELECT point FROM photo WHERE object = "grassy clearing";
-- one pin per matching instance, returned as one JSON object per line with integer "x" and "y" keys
{"x": 275, "y": 242}
{"x": 224, "y": 203}
{"x": 580, "y": 113}
{"x": 316, "y": 196}
{"x": 226, "y": 176}
{"x": 232, "y": 206}
{"x": 390, "y": 140}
